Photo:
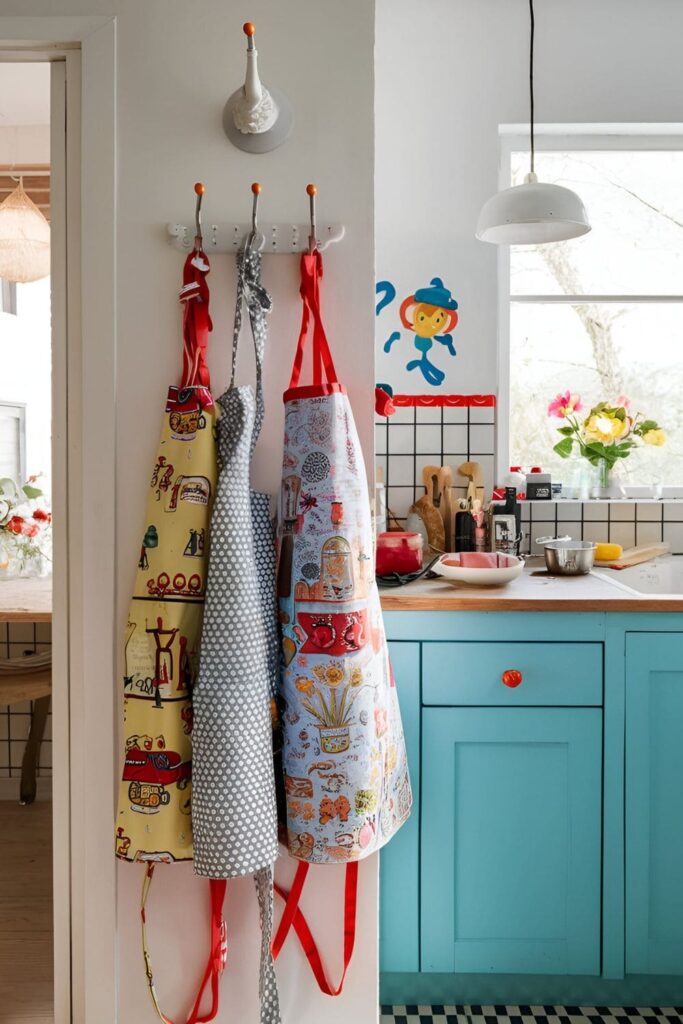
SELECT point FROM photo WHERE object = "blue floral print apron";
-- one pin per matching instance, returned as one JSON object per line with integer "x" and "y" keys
{"x": 345, "y": 769}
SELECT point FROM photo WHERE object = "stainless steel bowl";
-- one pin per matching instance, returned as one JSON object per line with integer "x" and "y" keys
{"x": 567, "y": 557}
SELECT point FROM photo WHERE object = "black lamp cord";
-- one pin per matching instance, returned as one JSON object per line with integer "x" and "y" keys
{"x": 531, "y": 79}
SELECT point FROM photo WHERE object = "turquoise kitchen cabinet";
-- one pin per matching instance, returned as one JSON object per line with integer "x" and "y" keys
{"x": 399, "y": 903}
{"x": 654, "y": 803}
{"x": 511, "y": 840}
{"x": 543, "y": 862}
{"x": 552, "y": 673}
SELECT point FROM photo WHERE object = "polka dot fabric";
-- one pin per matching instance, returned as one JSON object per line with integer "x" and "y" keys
{"x": 233, "y": 811}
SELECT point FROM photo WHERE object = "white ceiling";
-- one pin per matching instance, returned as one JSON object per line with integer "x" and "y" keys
{"x": 24, "y": 94}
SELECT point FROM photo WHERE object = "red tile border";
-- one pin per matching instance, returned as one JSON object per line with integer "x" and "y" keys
{"x": 439, "y": 401}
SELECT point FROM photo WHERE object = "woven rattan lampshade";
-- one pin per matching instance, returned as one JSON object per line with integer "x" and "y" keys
{"x": 24, "y": 239}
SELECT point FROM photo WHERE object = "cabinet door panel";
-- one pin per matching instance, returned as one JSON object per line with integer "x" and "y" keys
{"x": 654, "y": 803}
{"x": 399, "y": 870}
{"x": 511, "y": 851}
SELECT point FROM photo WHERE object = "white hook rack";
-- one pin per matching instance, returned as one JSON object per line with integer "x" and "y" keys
{"x": 270, "y": 238}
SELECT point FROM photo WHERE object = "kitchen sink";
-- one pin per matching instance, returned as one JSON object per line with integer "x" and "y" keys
{"x": 663, "y": 576}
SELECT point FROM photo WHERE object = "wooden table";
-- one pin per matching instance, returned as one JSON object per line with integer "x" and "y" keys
{"x": 28, "y": 600}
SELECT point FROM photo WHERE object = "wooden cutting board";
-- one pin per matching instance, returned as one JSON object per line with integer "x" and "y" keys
{"x": 634, "y": 556}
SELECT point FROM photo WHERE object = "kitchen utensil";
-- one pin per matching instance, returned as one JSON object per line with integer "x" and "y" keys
{"x": 445, "y": 483}
{"x": 431, "y": 482}
{"x": 472, "y": 471}
{"x": 431, "y": 517}
{"x": 634, "y": 556}
{"x": 567, "y": 557}
{"x": 479, "y": 568}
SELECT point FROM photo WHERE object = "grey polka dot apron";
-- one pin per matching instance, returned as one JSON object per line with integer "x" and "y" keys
{"x": 234, "y": 816}
{"x": 345, "y": 768}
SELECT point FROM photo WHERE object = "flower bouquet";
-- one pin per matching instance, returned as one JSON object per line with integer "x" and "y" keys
{"x": 608, "y": 433}
{"x": 334, "y": 712}
{"x": 25, "y": 530}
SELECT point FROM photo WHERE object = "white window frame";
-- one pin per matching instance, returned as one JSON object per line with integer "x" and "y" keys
{"x": 20, "y": 409}
{"x": 554, "y": 138}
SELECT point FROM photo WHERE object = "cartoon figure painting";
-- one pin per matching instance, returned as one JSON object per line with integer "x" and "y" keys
{"x": 431, "y": 313}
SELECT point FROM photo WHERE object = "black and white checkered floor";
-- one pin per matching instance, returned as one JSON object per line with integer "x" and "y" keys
{"x": 531, "y": 1015}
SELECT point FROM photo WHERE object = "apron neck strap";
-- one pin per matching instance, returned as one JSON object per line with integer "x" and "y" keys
{"x": 323, "y": 365}
{"x": 196, "y": 320}
{"x": 259, "y": 304}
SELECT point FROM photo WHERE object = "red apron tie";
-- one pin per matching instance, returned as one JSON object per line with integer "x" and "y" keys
{"x": 293, "y": 916}
{"x": 217, "y": 955}
{"x": 196, "y": 320}
{"x": 324, "y": 373}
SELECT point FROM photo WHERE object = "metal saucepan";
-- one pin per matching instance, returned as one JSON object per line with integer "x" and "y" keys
{"x": 567, "y": 557}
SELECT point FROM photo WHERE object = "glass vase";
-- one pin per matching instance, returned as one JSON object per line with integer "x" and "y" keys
{"x": 605, "y": 484}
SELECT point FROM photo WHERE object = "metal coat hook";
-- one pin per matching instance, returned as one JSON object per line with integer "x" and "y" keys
{"x": 312, "y": 191}
{"x": 268, "y": 238}
{"x": 199, "y": 192}
{"x": 253, "y": 234}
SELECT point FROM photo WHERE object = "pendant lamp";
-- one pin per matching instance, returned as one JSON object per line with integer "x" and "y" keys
{"x": 24, "y": 239}
{"x": 535, "y": 212}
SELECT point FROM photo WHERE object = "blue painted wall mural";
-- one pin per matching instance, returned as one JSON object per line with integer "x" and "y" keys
{"x": 431, "y": 315}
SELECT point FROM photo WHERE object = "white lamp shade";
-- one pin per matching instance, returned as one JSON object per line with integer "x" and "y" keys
{"x": 24, "y": 239}
{"x": 532, "y": 214}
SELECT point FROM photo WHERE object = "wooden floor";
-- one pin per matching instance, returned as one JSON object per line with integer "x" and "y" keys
{"x": 26, "y": 913}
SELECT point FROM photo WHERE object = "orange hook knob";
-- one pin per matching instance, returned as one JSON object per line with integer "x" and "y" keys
{"x": 249, "y": 28}
{"x": 199, "y": 188}
{"x": 311, "y": 190}
{"x": 256, "y": 188}
{"x": 512, "y": 678}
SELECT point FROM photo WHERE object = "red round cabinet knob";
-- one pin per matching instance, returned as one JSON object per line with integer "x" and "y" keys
{"x": 512, "y": 678}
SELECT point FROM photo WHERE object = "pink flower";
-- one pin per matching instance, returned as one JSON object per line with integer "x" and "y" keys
{"x": 622, "y": 402}
{"x": 564, "y": 404}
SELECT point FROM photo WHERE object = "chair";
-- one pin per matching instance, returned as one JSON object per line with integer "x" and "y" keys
{"x": 21, "y": 681}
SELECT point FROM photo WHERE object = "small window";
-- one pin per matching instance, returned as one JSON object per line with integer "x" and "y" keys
{"x": 602, "y": 315}
{"x": 13, "y": 440}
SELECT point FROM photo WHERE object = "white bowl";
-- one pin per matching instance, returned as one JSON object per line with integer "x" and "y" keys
{"x": 479, "y": 568}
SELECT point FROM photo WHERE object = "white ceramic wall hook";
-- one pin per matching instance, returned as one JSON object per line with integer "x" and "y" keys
{"x": 256, "y": 119}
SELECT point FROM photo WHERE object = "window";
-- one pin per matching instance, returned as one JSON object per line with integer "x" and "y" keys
{"x": 601, "y": 315}
{"x": 13, "y": 441}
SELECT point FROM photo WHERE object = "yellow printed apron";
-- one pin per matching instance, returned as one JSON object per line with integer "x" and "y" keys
{"x": 162, "y": 637}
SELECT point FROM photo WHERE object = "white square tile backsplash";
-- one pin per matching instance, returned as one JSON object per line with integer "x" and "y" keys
{"x": 624, "y": 522}
{"x": 417, "y": 436}
{"x": 421, "y": 435}
{"x": 15, "y": 721}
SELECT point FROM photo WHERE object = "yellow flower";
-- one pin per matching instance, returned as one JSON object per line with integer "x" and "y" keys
{"x": 356, "y": 676}
{"x": 605, "y": 428}
{"x": 656, "y": 437}
{"x": 334, "y": 675}
{"x": 304, "y": 684}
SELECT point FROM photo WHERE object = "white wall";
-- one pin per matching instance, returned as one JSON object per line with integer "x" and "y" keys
{"x": 448, "y": 73}
{"x": 177, "y": 63}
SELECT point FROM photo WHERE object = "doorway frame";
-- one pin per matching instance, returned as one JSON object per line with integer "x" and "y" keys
{"x": 84, "y": 487}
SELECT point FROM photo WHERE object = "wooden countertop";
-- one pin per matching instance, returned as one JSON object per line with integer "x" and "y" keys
{"x": 533, "y": 591}
{"x": 27, "y": 600}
